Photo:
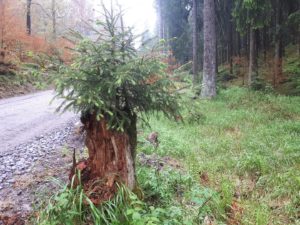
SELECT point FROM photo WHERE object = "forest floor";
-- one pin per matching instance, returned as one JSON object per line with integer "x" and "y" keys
{"x": 233, "y": 160}
{"x": 241, "y": 157}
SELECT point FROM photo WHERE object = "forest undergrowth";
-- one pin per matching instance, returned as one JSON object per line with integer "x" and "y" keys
{"x": 237, "y": 162}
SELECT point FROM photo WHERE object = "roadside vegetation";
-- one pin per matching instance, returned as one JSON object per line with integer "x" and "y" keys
{"x": 237, "y": 162}
{"x": 26, "y": 77}
{"x": 198, "y": 125}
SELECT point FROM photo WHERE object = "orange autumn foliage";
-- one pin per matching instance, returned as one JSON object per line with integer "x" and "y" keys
{"x": 171, "y": 62}
{"x": 15, "y": 43}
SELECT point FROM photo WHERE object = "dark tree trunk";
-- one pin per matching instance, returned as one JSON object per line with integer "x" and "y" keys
{"x": 28, "y": 17}
{"x": 247, "y": 44}
{"x": 238, "y": 44}
{"x": 217, "y": 58}
{"x": 195, "y": 44}
{"x": 252, "y": 73}
{"x": 299, "y": 41}
{"x": 230, "y": 31}
{"x": 278, "y": 46}
{"x": 111, "y": 158}
{"x": 265, "y": 43}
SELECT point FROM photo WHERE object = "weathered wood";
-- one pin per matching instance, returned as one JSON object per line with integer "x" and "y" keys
{"x": 111, "y": 158}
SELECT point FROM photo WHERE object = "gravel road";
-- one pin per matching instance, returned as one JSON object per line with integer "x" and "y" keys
{"x": 23, "y": 118}
{"x": 32, "y": 142}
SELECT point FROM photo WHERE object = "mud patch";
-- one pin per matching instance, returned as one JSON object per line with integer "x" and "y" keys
{"x": 158, "y": 162}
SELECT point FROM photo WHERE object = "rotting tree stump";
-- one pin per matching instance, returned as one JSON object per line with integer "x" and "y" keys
{"x": 110, "y": 161}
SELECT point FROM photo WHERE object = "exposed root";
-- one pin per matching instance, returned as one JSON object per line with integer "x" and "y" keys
{"x": 97, "y": 190}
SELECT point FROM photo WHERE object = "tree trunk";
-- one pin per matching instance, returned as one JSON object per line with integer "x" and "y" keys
{"x": 252, "y": 58}
{"x": 161, "y": 20}
{"x": 217, "y": 58}
{"x": 28, "y": 17}
{"x": 209, "y": 65}
{"x": 195, "y": 44}
{"x": 265, "y": 43}
{"x": 230, "y": 38}
{"x": 53, "y": 14}
{"x": 238, "y": 44}
{"x": 247, "y": 44}
{"x": 111, "y": 158}
{"x": 278, "y": 47}
{"x": 2, "y": 23}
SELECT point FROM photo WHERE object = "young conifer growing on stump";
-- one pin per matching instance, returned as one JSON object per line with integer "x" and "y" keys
{"x": 111, "y": 85}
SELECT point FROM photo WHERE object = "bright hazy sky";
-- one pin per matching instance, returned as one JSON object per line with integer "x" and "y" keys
{"x": 138, "y": 13}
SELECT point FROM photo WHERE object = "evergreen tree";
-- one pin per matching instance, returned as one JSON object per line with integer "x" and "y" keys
{"x": 111, "y": 85}
{"x": 175, "y": 26}
{"x": 252, "y": 15}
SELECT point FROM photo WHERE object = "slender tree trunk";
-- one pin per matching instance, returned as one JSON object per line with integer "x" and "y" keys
{"x": 2, "y": 23}
{"x": 28, "y": 17}
{"x": 299, "y": 41}
{"x": 161, "y": 20}
{"x": 217, "y": 58}
{"x": 230, "y": 38}
{"x": 209, "y": 65}
{"x": 53, "y": 14}
{"x": 247, "y": 43}
{"x": 195, "y": 44}
{"x": 238, "y": 44}
{"x": 252, "y": 73}
{"x": 265, "y": 43}
{"x": 278, "y": 46}
{"x": 298, "y": 38}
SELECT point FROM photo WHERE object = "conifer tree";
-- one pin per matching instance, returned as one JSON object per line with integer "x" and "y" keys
{"x": 111, "y": 85}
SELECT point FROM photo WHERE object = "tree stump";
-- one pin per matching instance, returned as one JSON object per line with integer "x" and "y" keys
{"x": 111, "y": 159}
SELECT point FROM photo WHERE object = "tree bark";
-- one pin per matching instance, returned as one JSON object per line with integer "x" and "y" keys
{"x": 252, "y": 73}
{"x": 111, "y": 158}
{"x": 209, "y": 65}
{"x": 217, "y": 58}
{"x": 265, "y": 43}
{"x": 230, "y": 38}
{"x": 238, "y": 52}
{"x": 278, "y": 46}
{"x": 195, "y": 44}
{"x": 2, "y": 23}
{"x": 28, "y": 17}
{"x": 53, "y": 14}
{"x": 161, "y": 20}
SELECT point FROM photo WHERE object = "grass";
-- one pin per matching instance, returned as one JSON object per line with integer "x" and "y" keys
{"x": 251, "y": 140}
{"x": 246, "y": 143}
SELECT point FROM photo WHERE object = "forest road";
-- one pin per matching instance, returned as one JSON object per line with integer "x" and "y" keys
{"x": 26, "y": 117}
